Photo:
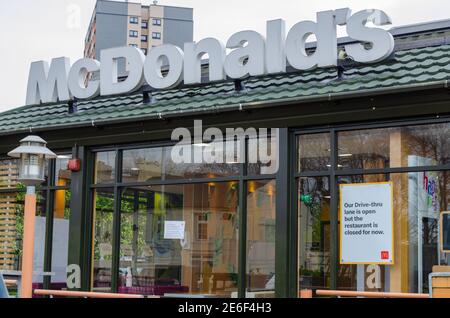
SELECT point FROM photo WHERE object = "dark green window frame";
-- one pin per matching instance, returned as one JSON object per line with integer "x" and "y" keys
{"x": 241, "y": 178}
{"x": 334, "y": 173}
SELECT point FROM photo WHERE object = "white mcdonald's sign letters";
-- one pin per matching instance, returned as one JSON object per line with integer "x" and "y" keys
{"x": 249, "y": 54}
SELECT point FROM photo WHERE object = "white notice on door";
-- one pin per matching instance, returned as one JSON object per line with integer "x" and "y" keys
{"x": 174, "y": 230}
{"x": 366, "y": 223}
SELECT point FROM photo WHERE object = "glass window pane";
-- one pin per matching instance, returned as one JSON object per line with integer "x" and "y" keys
{"x": 419, "y": 199}
{"x": 410, "y": 146}
{"x": 190, "y": 169}
{"x": 262, "y": 156}
{"x": 62, "y": 174}
{"x": 261, "y": 236}
{"x": 313, "y": 152}
{"x": 105, "y": 167}
{"x": 202, "y": 259}
{"x": 103, "y": 236}
{"x": 140, "y": 165}
{"x": 60, "y": 244}
{"x": 46, "y": 173}
{"x": 314, "y": 233}
{"x": 39, "y": 238}
{"x": 365, "y": 149}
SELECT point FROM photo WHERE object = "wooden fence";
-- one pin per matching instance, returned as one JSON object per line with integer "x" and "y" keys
{"x": 8, "y": 217}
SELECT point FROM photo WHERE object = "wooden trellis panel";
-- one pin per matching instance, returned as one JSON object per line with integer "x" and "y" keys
{"x": 8, "y": 205}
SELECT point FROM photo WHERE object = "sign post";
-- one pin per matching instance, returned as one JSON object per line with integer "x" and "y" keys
{"x": 366, "y": 223}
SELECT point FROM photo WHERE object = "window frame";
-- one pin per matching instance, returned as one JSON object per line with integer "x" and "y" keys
{"x": 133, "y": 33}
{"x": 242, "y": 178}
{"x": 133, "y": 19}
{"x": 334, "y": 172}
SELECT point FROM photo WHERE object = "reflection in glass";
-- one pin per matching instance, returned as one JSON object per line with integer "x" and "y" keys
{"x": 146, "y": 164}
{"x": 62, "y": 174}
{"x": 261, "y": 149}
{"x": 364, "y": 149}
{"x": 261, "y": 235}
{"x": 314, "y": 232}
{"x": 103, "y": 236}
{"x": 174, "y": 170}
{"x": 419, "y": 198}
{"x": 410, "y": 146}
{"x": 60, "y": 244}
{"x": 140, "y": 165}
{"x": 314, "y": 152}
{"x": 39, "y": 237}
{"x": 156, "y": 259}
{"x": 105, "y": 167}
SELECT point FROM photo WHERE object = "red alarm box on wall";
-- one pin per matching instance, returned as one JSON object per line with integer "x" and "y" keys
{"x": 74, "y": 165}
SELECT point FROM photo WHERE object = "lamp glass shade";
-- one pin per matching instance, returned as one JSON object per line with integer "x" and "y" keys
{"x": 32, "y": 153}
{"x": 32, "y": 167}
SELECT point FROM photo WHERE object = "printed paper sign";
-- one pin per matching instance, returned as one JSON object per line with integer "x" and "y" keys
{"x": 174, "y": 230}
{"x": 366, "y": 223}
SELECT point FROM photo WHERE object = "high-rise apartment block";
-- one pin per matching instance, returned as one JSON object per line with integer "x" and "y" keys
{"x": 115, "y": 24}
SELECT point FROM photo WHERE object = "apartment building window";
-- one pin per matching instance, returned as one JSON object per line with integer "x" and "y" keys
{"x": 157, "y": 22}
{"x": 143, "y": 38}
{"x": 133, "y": 34}
{"x": 145, "y": 24}
{"x": 134, "y": 20}
{"x": 156, "y": 35}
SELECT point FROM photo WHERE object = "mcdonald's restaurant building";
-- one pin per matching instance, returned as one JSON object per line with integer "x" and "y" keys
{"x": 103, "y": 226}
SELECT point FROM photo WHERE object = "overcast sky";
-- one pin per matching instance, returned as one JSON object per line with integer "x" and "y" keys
{"x": 32, "y": 30}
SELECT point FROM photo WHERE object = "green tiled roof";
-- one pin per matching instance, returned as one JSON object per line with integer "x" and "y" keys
{"x": 418, "y": 66}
